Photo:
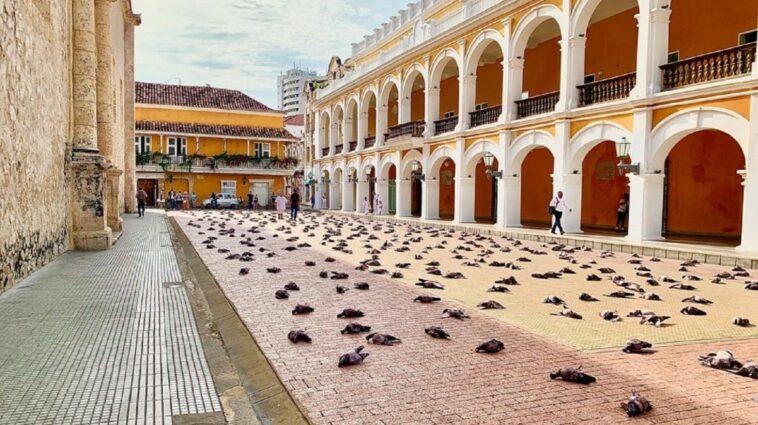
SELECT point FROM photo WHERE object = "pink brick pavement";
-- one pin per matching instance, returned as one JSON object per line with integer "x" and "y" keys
{"x": 429, "y": 381}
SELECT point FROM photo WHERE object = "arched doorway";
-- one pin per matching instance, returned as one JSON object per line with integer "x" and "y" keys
{"x": 603, "y": 188}
{"x": 536, "y": 188}
{"x": 391, "y": 204}
{"x": 485, "y": 193}
{"x": 444, "y": 96}
{"x": 335, "y": 196}
{"x": 703, "y": 192}
{"x": 442, "y": 174}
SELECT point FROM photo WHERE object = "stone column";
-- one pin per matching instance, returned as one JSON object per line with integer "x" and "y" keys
{"x": 645, "y": 207}
{"x": 362, "y": 125}
{"x": 404, "y": 113}
{"x": 652, "y": 47}
{"x": 750, "y": 194}
{"x": 403, "y": 205}
{"x": 512, "y": 200}
{"x": 577, "y": 46}
{"x": 466, "y": 100}
{"x": 515, "y": 81}
{"x": 361, "y": 192}
{"x": 430, "y": 202}
{"x": 571, "y": 185}
{"x": 381, "y": 122}
{"x": 432, "y": 109}
{"x": 464, "y": 200}
{"x": 319, "y": 132}
{"x": 88, "y": 188}
{"x": 334, "y": 195}
{"x": 347, "y": 195}
{"x": 130, "y": 172}
{"x": 382, "y": 188}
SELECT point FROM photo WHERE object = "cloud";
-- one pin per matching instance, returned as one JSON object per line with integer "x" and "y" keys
{"x": 245, "y": 44}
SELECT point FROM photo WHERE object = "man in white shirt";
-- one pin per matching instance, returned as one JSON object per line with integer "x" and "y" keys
{"x": 558, "y": 205}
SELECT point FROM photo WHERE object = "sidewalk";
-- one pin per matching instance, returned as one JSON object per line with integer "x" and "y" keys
{"x": 104, "y": 337}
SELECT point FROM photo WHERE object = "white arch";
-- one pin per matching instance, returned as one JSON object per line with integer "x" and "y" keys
{"x": 477, "y": 48}
{"x": 353, "y": 164}
{"x": 674, "y": 128}
{"x": 384, "y": 166}
{"x": 528, "y": 141}
{"x": 365, "y": 97}
{"x": 583, "y": 11}
{"x": 475, "y": 152}
{"x": 404, "y": 170}
{"x": 440, "y": 61}
{"x": 530, "y": 22}
{"x": 386, "y": 89}
{"x": 439, "y": 155}
{"x": 591, "y": 136}
{"x": 367, "y": 162}
{"x": 410, "y": 77}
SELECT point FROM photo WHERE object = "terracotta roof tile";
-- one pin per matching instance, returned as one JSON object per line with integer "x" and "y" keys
{"x": 295, "y": 120}
{"x": 214, "y": 130}
{"x": 197, "y": 97}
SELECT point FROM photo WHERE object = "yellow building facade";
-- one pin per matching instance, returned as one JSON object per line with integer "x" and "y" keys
{"x": 204, "y": 140}
{"x": 482, "y": 110}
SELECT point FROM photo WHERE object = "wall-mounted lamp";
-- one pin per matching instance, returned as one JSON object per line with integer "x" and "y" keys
{"x": 622, "y": 152}
{"x": 489, "y": 161}
{"x": 416, "y": 171}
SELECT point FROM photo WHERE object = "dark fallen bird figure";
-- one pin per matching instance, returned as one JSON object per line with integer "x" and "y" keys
{"x": 341, "y": 289}
{"x": 291, "y": 286}
{"x": 692, "y": 311}
{"x": 363, "y": 286}
{"x": 355, "y": 328}
{"x": 569, "y": 374}
{"x": 339, "y": 276}
{"x": 636, "y": 405}
{"x": 429, "y": 284}
{"x": 720, "y": 360}
{"x": 281, "y": 294}
{"x": 636, "y": 346}
{"x": 454, "y": 313}
{"x": 310, "y": 263}
{"x": 507, "y": 281}
{"x": 437, "y": 332}
{"x": 568, "y": 313}
{"x": 382, "y": 339}
{"x": 492, "y": 346}
{"x": 298, "y": 336}
{"x": 302, "y": 309}
{"x": 490, "y": 305}
{"x": 587, "y": 297}
{"x": 620, "y": 294}
{"x": 741, "y": 321}
{"x": 273, "y": 270}
{"x": 244, "y": 271}
{"x": 697, "y": 300}
{"x": 501, "y": 289}
{"x": 553, "y": 299}
{"x": 352, "y": 358}
{"x": 425, "y": 299}
{"x": 350, "y": 313}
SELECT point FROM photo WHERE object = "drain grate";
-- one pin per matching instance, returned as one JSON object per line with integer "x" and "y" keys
{"x": 173, "y": 284}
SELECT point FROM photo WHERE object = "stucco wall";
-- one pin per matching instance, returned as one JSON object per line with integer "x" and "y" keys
{"x": 35, "y": 121}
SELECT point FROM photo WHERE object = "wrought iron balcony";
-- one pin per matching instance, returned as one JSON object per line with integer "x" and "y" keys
{"x": 412, "y": 128}
{"x": 485, "y": 116}
{"x": 369, "y": 142}
{"x": 337, "y": 149}
{"x": 352, "y": 146}
{"x": 606, "y": 90}
{"x": 727, "y": 63}
{"x": 537, "y": 105}
{"x": 445, "y": 125}
{"x": 324, "y": 151}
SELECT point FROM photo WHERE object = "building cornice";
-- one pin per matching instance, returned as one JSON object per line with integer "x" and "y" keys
{"x": 214, "y": 110}
{"x": 213, "y": 136}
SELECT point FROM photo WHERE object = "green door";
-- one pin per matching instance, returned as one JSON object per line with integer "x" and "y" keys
{"x": 392, "y": 197}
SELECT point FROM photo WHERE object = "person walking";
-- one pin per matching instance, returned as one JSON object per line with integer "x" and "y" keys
{"x": 281, "y": 203}
{"x": 313, "y": 201}
{"x": 171, "y": 199}
{"x": 141, "y": 202}
{"x": 214, "y": 200}
{"x": 557, "y": 207}
{"x": 623, "y": 210}
{"x": 294, "y": 204}
{"x": 193, "y": 199}
{"x": 323, "y": 201}
{"x": 365, "y": 205}
{"x": 379, "y": 207}
{"x": 250, "y": 197}
{"x": 255, "y": 202}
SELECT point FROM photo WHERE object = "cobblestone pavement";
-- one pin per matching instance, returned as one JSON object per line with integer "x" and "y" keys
{"x": 428, "y": 381}
{"x": 104, "y": 337}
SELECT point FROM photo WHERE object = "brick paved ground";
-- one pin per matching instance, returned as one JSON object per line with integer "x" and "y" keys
{"x": 424, "y": 380}
{"x": 103, "y": 337}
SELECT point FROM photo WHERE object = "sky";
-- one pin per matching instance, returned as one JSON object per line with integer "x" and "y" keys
{"x": 245, "y": 44}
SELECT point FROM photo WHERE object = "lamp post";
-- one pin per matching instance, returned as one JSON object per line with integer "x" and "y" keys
{"x": 489, "y": 160}
{"x": 622, "y": 152}
{"x": 369, "y": 179}
{"x": 416, "y": 171}
{"x": 325, "y": 178}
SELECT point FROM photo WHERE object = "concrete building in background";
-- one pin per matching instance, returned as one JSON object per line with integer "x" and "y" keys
{"x": 206, "y": 139}
{"x": 482, "y": 110}
{"x": 66, "y": 108}
{"x": 290, "y": 86}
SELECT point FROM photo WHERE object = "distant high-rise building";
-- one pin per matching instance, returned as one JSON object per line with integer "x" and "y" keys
{"x": 290, "y": 88}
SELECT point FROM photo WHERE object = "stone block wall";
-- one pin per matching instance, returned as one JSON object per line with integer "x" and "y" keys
{"x": 36, "y": 123}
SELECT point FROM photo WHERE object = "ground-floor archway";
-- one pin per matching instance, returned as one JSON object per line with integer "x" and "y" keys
{"x": 536, "y": 188}
{"x": 603, "y": 189}
{"x": 703, "y": 192}
{"x": 485, "y": 193}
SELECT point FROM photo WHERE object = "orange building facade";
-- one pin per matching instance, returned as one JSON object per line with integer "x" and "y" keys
{"x": 206, "y": 140}
{"x": 482, "y": 110}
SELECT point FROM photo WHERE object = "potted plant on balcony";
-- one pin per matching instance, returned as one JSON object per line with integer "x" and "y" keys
{"x": 162, "y": 160}
{"x": 143, "y": 158}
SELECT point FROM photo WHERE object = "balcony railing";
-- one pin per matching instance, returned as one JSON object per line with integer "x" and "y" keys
{"x": 187, "y": 163}
{"x": 352, "y": 146}
{"x": 485, "y": 116}
{"x": 606, "y": 90}
{"x": 445, "y": 125}
{"x": 369, "y": 142}
{"x": 719, "y": 65}
{"x": 537, "y": 105}
{"x": 412, "y": 128}
{"x": 337, "y": 149}
{"x": 324, "y": 151}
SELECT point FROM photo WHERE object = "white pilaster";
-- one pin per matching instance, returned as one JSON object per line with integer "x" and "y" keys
{"x": 361, "y": 192}
{"x": 652, "y": 47}
{"x": 430, "y": 193}
{"x": 362, "y": 127}
{"x": 348, "y": 190}
{"x": 319, "y": 135}
{"x": 645, "y": 207}
{"x": 335, "y": 197}
{"x": 502, "y": 158}
{"x": 515, "y": 82}
{"x": 333, "y": 137}
{"x": 464, "y": 200}
{"x": 431, "y": 109}
{"x": 462, "y": 182}
{"x": 577, "y": 47}
{"x": 750, "y": 195}
{"x": 403, "y": 205}
{"x": 572, "y": 194}
{"x": 404, "y": 105}
{"x": 381, "y": 124}
{"x": 512, "y": 198}
{"x": 466, "y": 100}
{"x": 507, "y": 48}
{"x": 382, "y": 188}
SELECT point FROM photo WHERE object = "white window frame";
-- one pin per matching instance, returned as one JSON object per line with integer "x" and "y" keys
{"x": 480, "y": 106}
{"x": 262, "y": 150}
{"x": 229, "y": 186}
{"x": 178, "y": 145}
{"x": 142, "y": 144}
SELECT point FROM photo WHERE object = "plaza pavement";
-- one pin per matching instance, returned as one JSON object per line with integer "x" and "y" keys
{"x": 104, "y": 338}
{"x": 427, "y": 381}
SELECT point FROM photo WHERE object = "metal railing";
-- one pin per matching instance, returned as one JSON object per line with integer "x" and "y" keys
{"x": 324, "y": 151}
{"x": 369, "y": 142}
{"x": 606, "y": 90}
{"x": 485, "y": 116}
{"x": 537, "y": 105}
{"x": 445, "y": 125}
{"x": 411, "y": 128}
{"x": 727, "y": 63}
{"x": 337, "y": 149}
{"x": 352, "y": 146}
